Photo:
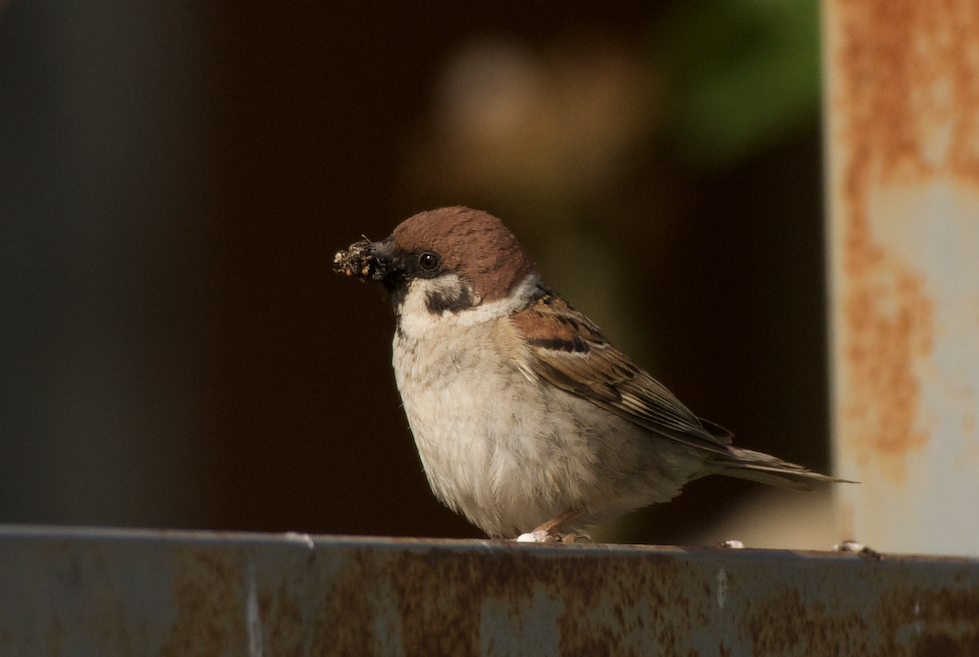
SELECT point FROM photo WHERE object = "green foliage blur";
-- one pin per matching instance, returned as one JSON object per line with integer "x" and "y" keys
{"x": 745, "y": 73}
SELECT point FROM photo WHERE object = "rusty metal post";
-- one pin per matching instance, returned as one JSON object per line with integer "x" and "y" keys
{"x": 104, "y": 592}
{"x": 902, "y": 132}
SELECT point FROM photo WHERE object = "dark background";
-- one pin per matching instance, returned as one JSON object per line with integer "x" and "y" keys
{"x": 176, "y": 177}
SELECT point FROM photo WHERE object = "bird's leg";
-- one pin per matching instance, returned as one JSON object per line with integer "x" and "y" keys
{"x": 552, "y": 530}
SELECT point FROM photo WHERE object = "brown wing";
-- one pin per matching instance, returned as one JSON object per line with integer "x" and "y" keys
{"x": 570, "y": 351}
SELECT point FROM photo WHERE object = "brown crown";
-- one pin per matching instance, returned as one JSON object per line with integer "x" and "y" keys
{"x": 470, "y": 242}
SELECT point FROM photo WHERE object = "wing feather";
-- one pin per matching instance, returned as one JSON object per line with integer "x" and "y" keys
{"x": 570, "y": 352}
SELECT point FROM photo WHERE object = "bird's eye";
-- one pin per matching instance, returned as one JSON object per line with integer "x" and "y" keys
{"x": 429, "y": 261}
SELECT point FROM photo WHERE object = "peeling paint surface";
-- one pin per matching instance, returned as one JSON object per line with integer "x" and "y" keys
{"x": 71, "y": 591}
{"x": 902, "y": 105}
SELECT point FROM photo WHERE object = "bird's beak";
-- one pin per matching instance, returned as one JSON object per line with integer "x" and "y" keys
{"x": 366, "y": 259}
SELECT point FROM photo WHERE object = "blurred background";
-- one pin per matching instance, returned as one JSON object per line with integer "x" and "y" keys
{"x": 176, "y": 177}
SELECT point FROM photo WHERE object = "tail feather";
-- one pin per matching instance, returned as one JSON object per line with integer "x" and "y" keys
{"x": 767, "y": 469}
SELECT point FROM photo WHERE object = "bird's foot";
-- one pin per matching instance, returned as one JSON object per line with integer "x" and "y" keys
{"x": 537, "y": 536}
{"x": 857, "y": 548}
{"x": 552, "y": 531}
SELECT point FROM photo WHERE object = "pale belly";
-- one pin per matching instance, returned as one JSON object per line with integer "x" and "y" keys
{"x": 511, "y": 453}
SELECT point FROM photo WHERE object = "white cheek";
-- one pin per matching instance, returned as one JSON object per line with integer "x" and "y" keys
{"x": 417, "y": 321}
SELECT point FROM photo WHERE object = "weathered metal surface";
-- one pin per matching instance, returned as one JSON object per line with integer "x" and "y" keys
{"x": 109, "y": 592}
{"x": 902, "y": 105}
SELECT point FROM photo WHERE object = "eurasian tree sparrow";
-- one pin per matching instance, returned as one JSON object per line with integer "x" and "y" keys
{"x": 526, "y": 419}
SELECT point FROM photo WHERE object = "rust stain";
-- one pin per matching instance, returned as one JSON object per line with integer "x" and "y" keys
{"x": 56, "y": 637}
{"x": 206, "y": 591}
{"x": 891, "y": 324}
{"x": 943, "y": 622}
{"x": 910, "y": 87}
{"x": 418, "y": 597}
{"x": 908, "y": 91}
{"x": 285, "y": 621}
{"x": 785, "y": 624}
{"x": 601, "y": 603}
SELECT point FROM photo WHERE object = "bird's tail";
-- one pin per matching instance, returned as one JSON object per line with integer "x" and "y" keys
{"x": 767, "y": 469}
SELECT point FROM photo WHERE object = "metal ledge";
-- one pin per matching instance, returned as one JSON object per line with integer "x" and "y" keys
{"x": 79, "y": 591}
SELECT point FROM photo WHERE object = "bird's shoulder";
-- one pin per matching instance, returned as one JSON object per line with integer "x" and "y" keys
{"x": 566, "y": 349}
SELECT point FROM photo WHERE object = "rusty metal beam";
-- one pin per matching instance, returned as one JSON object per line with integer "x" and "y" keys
{"x": 902, "y": 109}
{"x": 67, "y": 591}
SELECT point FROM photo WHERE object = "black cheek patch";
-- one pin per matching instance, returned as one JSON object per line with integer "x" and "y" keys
{"x": 438, "y": 303}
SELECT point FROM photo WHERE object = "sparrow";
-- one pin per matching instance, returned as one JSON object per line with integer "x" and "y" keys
{"x": 526, "y": 419}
